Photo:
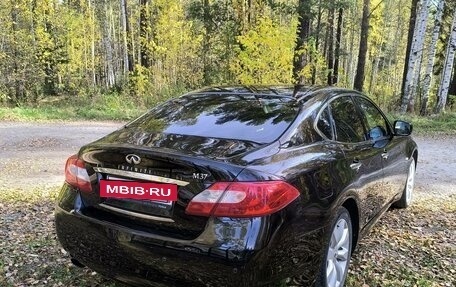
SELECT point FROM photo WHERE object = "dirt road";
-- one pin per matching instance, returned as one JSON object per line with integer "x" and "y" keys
{"x": 35, "y": 154}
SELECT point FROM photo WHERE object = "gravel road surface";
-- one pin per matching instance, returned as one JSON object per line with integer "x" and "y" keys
{"x": 35, "y": 153}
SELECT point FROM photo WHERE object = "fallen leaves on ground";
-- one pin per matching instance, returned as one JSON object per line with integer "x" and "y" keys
{"x": 410, "y": 247}
{"x": 29, "y": 252}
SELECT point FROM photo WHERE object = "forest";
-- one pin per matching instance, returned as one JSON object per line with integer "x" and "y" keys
{"x": 399, "y": 52}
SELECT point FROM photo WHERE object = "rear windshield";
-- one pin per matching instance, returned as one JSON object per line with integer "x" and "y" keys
{"x": 260, "y": 119}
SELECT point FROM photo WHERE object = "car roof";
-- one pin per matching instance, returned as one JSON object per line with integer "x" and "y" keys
{"x": 298, "y": 92}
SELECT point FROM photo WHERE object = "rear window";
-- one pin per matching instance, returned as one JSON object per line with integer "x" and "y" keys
{"x": 260, "y": 119}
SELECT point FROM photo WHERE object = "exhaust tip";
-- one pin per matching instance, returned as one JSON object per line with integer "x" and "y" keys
{"x": 77, "y": 263}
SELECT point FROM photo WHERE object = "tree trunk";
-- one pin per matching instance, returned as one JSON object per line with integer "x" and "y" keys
{"x": 373, "y": 74}
{"x": 351, "y": 59}
{"x": 144, "y": 35}
{"x": 300, "y": 58}
{"x": 431, "y": 58}
{"x": 415, "y": 53}
{"x": 338, "y": 42}
{"x": 331, "y": 43}
{"x": 110, "y": 77}
{"x": 128, "y": 56}
{"x": 452, "y": 90}
{"x": 249, "y": 13}
{"x": 412, "y": 21}
{"x": 317, "y": 40}
{"x": 18, "y": 95}
{"x": 446, "y": 75}
{"x": 206, "y": 47}
{"x": 359, "y": 78}
{"x": 92, "y": 43}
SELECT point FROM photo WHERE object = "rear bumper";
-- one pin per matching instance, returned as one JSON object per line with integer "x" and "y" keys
{"x": 144, "y": 259}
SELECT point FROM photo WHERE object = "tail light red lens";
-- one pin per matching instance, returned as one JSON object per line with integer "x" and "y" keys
{"x": 242, "y": 199}
{"x": 76, "y": 174}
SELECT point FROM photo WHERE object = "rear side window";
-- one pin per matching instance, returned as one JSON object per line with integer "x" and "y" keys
{"x": 349, "y": 127}
{"x": 324, "y": 124}
{"x": 260, "y": 119}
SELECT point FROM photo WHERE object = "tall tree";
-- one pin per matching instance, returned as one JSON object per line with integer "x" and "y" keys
{"x": 413, "y": 72}
{"x": 128, "y": 49}
{"x": 317, "y": 39}
{"x": 360, "y": 71}
{"x": 144, "y": 24}
{"x": 303, "y": 33}
{"x": 330, "y": 52}
{"x": 208, "y": 30}
{"x": 338, "y": 43}
{"x": 442, "y": 94}
{"x": 431, "y": 57}
{"x": 411, "y": 29}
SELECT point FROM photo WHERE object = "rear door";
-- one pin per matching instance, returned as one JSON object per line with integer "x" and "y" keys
{"x": 363, "y": 161}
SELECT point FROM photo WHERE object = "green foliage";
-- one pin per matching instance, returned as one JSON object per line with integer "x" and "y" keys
{"x": 80, "y": 49}
{"x": 176, "y": 48}
{"x": 317, "y": 64}
{"x": 265, "y": 53}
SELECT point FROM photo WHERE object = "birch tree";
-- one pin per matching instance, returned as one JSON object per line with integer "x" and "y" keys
{"x": 446, "y": 75}
{"x": 415, "y": 53}
{"x": 128, "y": 53}
{"x": 431, "y": 57}
{"x": 411, "y": 29}
{"x": 330, "y": 32}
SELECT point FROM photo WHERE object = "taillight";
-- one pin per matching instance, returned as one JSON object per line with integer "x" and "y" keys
{"x": 242, "y": 199}
{"x": 76, "y": 174}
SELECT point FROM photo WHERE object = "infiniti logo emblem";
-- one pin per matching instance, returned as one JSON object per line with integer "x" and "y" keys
{"x": 133, "y": 159}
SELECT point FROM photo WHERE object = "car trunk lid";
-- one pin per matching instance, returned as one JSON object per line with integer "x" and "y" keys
{"x": 191, "y": 169}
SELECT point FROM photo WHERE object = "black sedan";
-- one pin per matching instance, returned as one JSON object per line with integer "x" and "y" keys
{"x": 236, "y": 186}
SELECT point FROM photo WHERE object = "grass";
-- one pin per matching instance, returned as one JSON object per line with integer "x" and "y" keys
{"x": 411, "y": 247}
{"x": 101, "y": 107}
{"x": 444, "y": 123}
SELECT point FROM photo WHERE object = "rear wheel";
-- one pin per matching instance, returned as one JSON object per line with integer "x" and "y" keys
{"x": 338, "y": 251}
{"x": 407, "y": 194}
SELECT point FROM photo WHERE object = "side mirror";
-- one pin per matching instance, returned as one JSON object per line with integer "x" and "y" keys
{"x": 402, "y": 128}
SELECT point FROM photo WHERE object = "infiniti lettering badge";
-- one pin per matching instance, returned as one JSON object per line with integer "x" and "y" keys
{"x": 133, "y": 159}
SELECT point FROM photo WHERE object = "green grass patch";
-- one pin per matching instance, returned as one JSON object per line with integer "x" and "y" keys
{"x": 101, "y": 107}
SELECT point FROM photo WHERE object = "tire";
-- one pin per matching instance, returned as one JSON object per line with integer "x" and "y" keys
{"x": 407, "y": 193}
{"x": 336, "y": 259}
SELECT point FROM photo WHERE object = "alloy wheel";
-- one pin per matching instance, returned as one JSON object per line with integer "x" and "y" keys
{"x": 410, "y": 182}
{"x": 338, "y": 254}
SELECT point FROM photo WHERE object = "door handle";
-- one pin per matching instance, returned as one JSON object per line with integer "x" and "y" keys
{"x": 356, "y": 165}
